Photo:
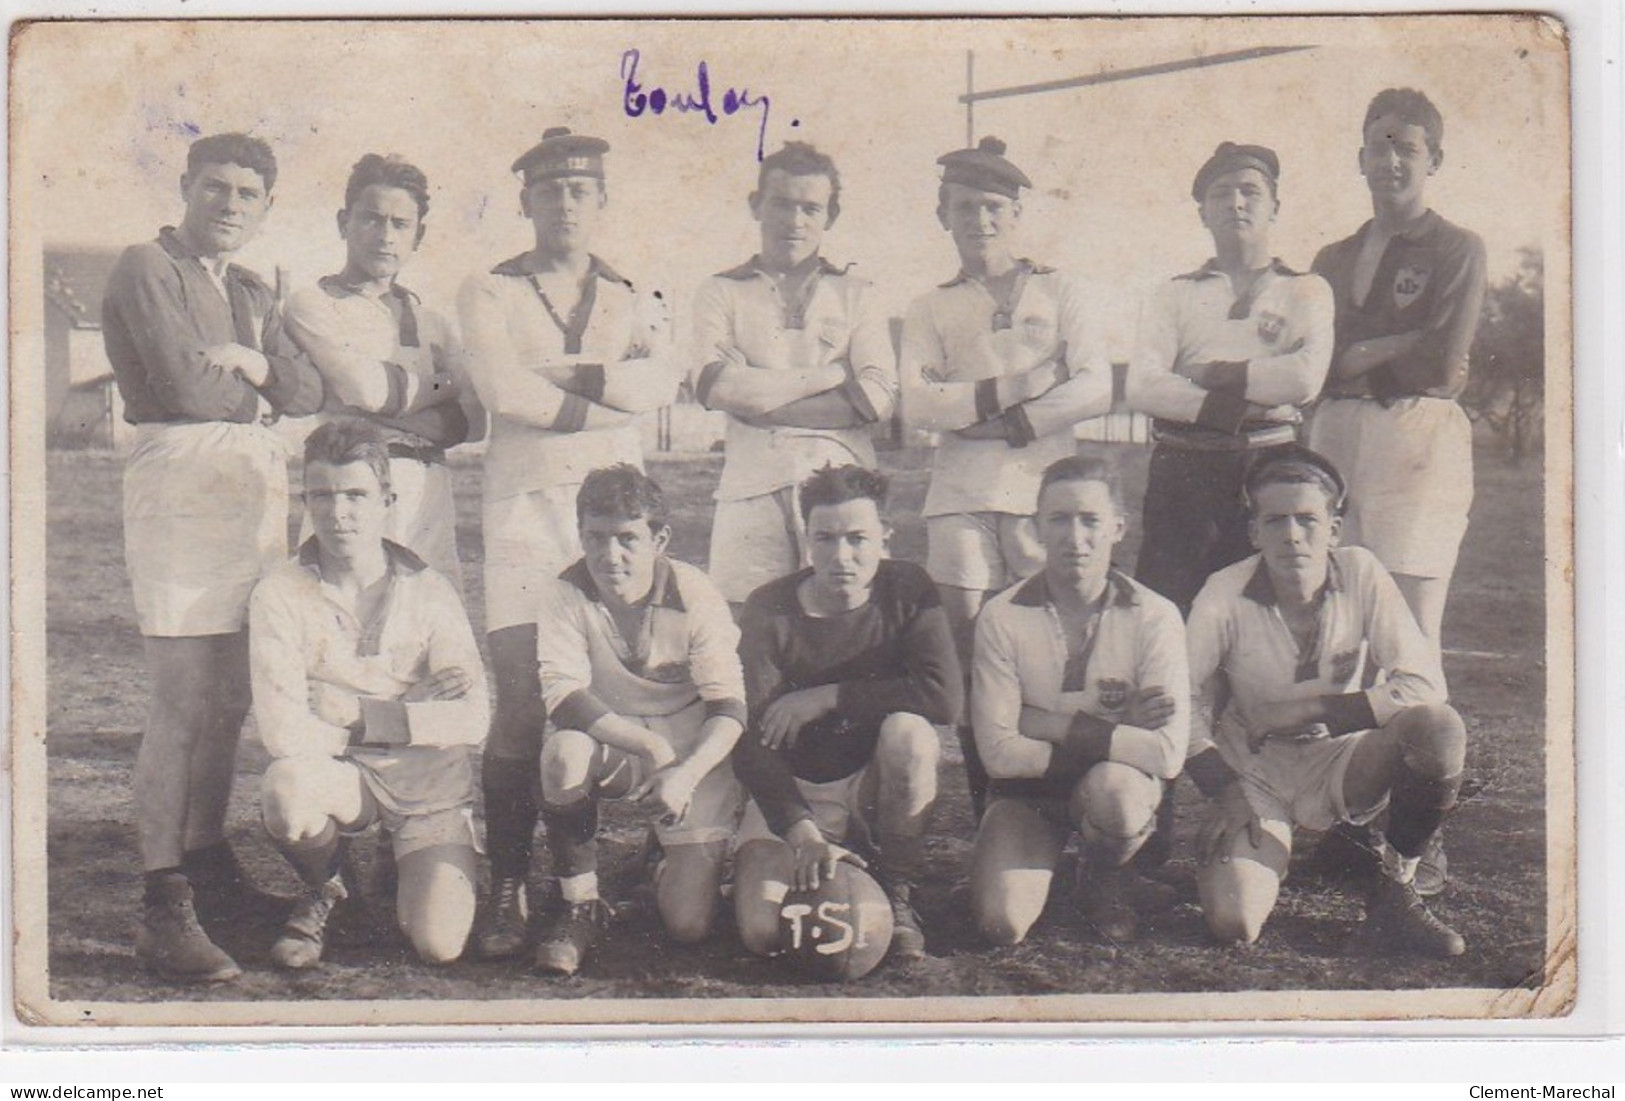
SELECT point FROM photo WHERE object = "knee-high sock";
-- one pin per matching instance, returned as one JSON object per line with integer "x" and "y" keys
{"x": 315, "y": 859}
{"x": 510, "y": 814}
{"x": 572, "y": 837}
{"x": 1417, "y": 805}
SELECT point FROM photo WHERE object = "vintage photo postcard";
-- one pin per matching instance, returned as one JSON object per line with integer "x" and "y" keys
{"x": 941, "y": 521}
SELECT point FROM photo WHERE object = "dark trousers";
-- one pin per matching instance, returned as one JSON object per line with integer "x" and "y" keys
{"x": 1195, "y": 520}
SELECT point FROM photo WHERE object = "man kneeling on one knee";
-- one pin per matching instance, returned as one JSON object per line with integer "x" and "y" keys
{"x": 848, "y": 665}
{"x": 640, "y": 673}
{"x": 1079, "y": 702}
{"x": 1290, "y": 729}
{"x": 368, "y": 694}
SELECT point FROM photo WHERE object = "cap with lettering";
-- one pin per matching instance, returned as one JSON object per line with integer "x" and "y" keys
{"x": 561, "y": 153}
{"x": 1231, "y": 157}
{"x": 984, "y": 168}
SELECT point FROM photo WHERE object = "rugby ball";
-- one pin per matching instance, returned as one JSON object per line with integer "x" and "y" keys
{"x": 840, "y": 931}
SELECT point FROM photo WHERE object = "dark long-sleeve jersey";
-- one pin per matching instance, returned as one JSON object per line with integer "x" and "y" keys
{"x": 162, "y": 312}
{"x": 894, "y": 654}
{"x": 1430, "y": 280}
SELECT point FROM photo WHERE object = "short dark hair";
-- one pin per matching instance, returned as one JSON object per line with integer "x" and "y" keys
{"x": 1300, "y": 467}
{"x": 622, "y": 490}
{"x": 1409, "y": 106}
{"x": 1083, "y": 468}
{"x": 836, "y": 485}
{"x": 240, "y": 149}
{"x": 798, "y": 158}
{"x": 374, "y": 170}
{"x": 346, "y": 440}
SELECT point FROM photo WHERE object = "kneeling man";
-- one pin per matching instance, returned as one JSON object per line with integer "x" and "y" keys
{"x": 640, "y": 674}
{"x": 1318, "y": 700}
{"x": 849, "y": 666}
{"x": 1079, "y": 701}
{"x": 368, "y": 694}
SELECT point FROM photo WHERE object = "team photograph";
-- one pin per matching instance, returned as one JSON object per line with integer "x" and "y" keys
{"x": 990, "y": 521}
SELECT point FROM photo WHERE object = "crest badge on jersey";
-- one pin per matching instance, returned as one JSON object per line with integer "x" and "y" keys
{"x": 1113, "y": 693}
{"x": 1345, "y": 665}
{"x": 1409, "y": 283}
{"x": 1270, "y": 327}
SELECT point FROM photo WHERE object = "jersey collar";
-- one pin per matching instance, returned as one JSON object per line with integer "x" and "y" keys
{"x": 401, "y": 559}
{"x": 336, "y": 287}
{"x": 515, "y": 265}
{"x": 1035, "y": 593}
{"x": 169, "y": 239}
{"x": 1259, "y": 590}
{"x": 1021, "y": 262}
{"x": 1210, "y": 270}
{"x": 663, "y": 590}
{"x": 1423, "y": 227}
{"x": 756, "y": 266}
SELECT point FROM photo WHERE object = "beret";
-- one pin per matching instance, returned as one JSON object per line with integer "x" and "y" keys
{"x": 1295, "y": 454}
{"x": 1231, "y": 157}
{"x": 561, "y": 153}
{"x": 984, "y": 168}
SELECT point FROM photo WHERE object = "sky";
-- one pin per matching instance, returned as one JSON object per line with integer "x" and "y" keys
{"x": 107, "y": 111}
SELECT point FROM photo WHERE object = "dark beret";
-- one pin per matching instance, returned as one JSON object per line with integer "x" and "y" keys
{"x": 984, "y": 168}
{"x": 1230, "y": 157}
{"x": 1294, "y": 454}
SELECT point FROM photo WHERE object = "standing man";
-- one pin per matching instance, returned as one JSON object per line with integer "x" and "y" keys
{"x": 368, "y": 695}
{"x": 1080, "y": 700}
{"x": 1317, "y": 701}
{"x": 203, "y": 363}
{"x": 1003, "y": 362}
{"x": 1225, "y": 360}
{"x": 1408, "y": 287}
{"x": 794, "y": 350}
{"x": 848, "y": 667}
{"x": 385, "y": 356}
{"x": 640, "y": 672}
{"x": 564, "y": 354}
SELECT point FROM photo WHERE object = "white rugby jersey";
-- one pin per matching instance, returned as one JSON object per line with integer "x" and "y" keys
{"x": 312, "y": 662}
{"x": 1242, "y": 653}
{"x": 533, "y": 372}
{"x": 1021, "y": 658}
{"x": 1282, "y": 332}
{"x": 959, "y": 335}
{"x": 376, "y": 356}
{"x": 688, "y": 650}
{"x": 836, "y": 322}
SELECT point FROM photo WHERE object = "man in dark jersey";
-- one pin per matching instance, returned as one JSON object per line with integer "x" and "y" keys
{"x": 1408, "y": 288}
{"x": 205, "y": 365}
{"x": 848, "y": 666}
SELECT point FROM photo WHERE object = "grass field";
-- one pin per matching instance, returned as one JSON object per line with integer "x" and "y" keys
{"x": 1496, "y": 842}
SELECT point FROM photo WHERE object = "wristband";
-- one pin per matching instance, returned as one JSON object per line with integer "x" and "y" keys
{"x": 1209, "y": 772}
{"x": 987, "y": 399}
{"x": 1088, "y": 742}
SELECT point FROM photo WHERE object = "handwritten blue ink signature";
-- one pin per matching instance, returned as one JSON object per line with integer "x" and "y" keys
{"x": 657, "y": 101}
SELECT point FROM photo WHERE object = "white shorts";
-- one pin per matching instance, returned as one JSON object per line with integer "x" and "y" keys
{"x": 423, "y": 518}
{"x": 713, "y": 812}
{"x": 529, "y": 540}
{"x": 839, "y": 810}
{"x": 434, "y": 807}
{"x": 205, "y": 517}
{"x": 755, "y": 540}
{"x": 1409, "y": 471}
{"x": 982, "y": 551}
{"x": 1300, "y": 783}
